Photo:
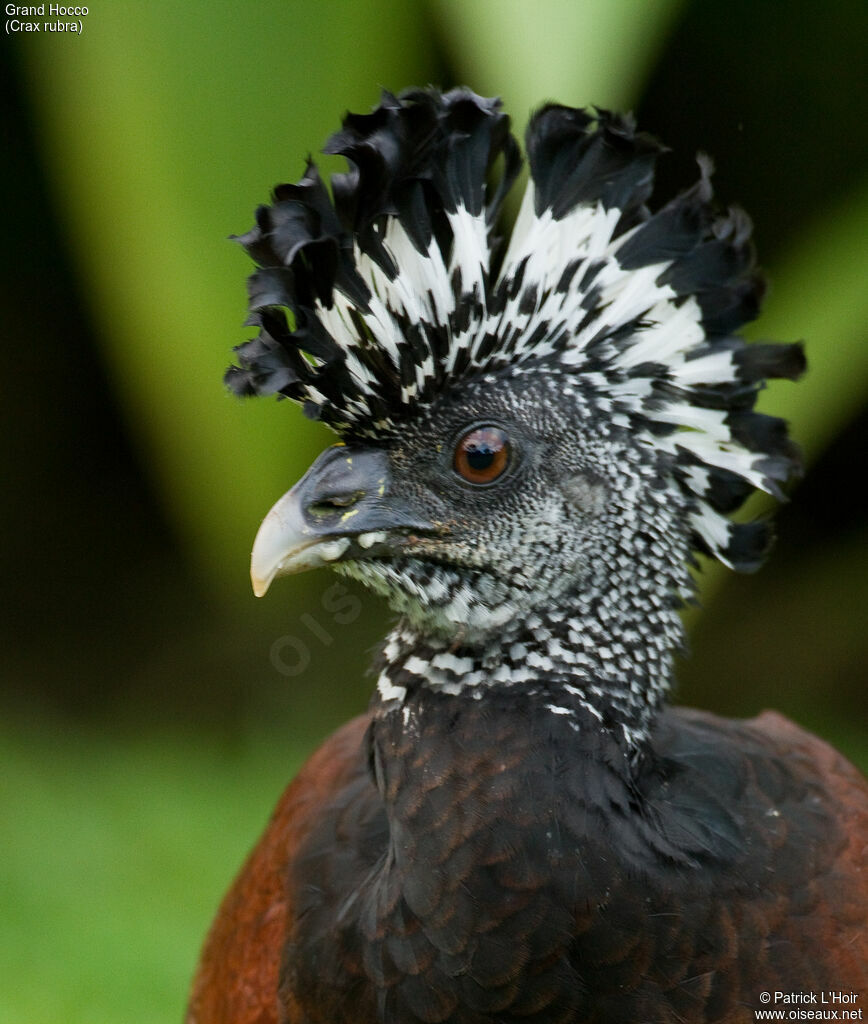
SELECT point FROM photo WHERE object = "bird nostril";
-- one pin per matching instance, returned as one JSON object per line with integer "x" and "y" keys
{"x": 331, "y": 504}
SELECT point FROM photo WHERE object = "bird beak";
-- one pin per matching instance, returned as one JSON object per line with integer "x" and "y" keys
{"x": 342, "y": 508}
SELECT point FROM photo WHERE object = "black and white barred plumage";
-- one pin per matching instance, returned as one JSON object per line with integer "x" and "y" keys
{"x": 536, "y": 436}
{"x": 397, "y": 293}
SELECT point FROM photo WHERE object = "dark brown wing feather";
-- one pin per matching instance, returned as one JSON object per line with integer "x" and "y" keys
{"x": 807, "y": 918}
{"x": 238, "y": 975}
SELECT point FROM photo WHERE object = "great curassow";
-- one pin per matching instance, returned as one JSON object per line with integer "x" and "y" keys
{"x": 535, "y": 442}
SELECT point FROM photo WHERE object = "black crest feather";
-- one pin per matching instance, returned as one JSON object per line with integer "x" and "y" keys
{"x": 373, "y": 300}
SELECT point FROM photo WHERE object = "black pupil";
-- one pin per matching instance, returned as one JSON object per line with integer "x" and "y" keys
{"x": 480, "y": 456}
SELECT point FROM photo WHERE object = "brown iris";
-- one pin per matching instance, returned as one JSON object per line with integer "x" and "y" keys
{"x": 482, "y": 455}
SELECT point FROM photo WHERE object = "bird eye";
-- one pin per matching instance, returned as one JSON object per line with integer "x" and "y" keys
{"x": 482, "y": 455}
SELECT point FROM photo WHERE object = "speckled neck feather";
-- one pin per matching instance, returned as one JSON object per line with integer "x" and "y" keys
{"x": 564, "y": 659}
{"x": 376, "y": 302}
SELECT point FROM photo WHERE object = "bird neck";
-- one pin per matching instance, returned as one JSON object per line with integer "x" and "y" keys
{"x": 498, "y": 758}
{"x": 601, "y": 661}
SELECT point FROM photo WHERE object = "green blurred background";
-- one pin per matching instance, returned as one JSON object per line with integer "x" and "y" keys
{"x": 150, "y": 709}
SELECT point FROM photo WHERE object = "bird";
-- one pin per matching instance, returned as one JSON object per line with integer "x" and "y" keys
{"x": 539, "y": 432}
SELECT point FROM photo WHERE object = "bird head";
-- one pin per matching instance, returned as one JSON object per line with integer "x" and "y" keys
{"x": 564, "y": 417}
